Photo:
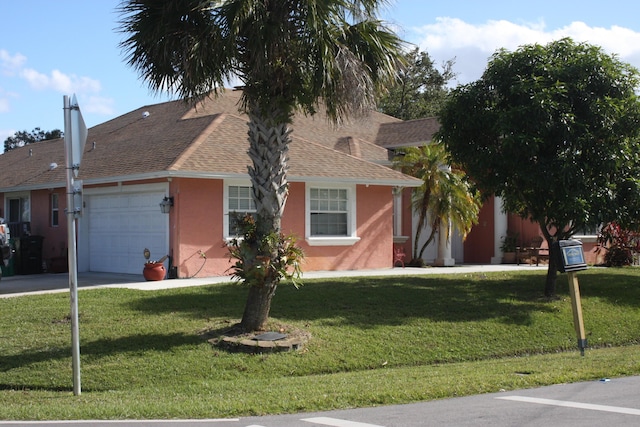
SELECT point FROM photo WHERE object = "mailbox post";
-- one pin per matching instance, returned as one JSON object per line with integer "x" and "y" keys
{"x": 571, "y": 259}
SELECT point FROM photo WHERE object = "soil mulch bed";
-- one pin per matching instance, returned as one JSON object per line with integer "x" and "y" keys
{"x": 276, "y": 339}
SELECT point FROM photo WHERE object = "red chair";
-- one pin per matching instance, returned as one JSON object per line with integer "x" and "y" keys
{"x": 398, "y": 255}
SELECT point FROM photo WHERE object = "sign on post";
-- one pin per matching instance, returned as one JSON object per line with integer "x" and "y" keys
{"x": 75, "y": 137}
{"x": 78, "y": 135}
{"x": 571, "y": 256}
{"x": 571, "y": 259}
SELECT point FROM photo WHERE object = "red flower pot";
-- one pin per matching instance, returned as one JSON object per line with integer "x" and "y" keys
{"x": 154, "y": 271}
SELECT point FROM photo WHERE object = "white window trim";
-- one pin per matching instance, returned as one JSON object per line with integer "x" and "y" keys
{"x": 225, "y": 204}
{"x": 586, "y": 238}
{"x": 352, "y": 237}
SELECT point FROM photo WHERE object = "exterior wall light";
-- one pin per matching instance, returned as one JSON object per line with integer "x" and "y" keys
{"x": 165, "y": 204}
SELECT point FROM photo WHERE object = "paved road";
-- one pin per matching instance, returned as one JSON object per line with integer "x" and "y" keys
{"x": 614, "y": 402}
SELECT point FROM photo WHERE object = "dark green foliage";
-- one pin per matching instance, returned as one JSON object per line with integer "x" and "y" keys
{"x": 554, "y": 131}
{"x": 271, "y": 259}
{"x": 21, "y": 138}
{"x": 620, "y": 244}
{"x": 419, "y": 90}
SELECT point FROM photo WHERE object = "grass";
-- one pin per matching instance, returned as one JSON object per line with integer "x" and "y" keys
{"x": 375, "y": 341}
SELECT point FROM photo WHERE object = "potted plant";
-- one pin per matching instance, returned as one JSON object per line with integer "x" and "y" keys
{"x": 154, "y": 270}
{"x": 508, "y": 248}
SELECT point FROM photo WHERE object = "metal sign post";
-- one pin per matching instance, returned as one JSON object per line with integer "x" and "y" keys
{"x": 75, "y": 135}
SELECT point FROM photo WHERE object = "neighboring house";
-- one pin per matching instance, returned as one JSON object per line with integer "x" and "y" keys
{"x": 483, "y": 244}
{"x": 197, "y": 158}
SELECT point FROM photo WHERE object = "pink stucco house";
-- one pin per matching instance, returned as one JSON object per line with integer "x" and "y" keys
{"x": 196, "y": 157}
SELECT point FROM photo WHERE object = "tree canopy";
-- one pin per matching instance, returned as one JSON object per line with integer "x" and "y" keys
{"x": 554, "y": 131}
{"x": 22, "y": 138}
{"x": 420, "y": 88}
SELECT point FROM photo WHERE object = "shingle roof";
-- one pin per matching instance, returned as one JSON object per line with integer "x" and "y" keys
{"x": 411, "y": 133}
{"x": 207, "y": 141}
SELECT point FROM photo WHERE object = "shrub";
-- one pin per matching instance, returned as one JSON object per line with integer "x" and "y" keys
{"x": 621, "y": 244}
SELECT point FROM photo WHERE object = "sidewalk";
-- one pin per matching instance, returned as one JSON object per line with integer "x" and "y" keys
{"x": 20, "y": 285}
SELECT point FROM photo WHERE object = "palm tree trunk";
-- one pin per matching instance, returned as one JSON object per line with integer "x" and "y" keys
{"x": 434, "y": 227}
{"x": 268, "y": 149}
{"x": 257, "y": 307}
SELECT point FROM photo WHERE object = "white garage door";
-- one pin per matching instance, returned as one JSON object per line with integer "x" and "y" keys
{"x": 120, "y": 226}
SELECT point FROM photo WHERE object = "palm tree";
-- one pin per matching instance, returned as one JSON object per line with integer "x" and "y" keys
{"x": 445, "y": 195}
{"x": 290, "y": 55}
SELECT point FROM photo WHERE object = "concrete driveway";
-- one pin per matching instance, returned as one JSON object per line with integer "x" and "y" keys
{"x": 19, "y": 285}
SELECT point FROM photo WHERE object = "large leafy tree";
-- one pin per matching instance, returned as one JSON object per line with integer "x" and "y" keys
{"x": 554, "y": 130}
{"x": 290, "y": 55}
{"x": 420, "y": 88}
{"x": 22, "y": 138}
{"x": 445, "y": 196}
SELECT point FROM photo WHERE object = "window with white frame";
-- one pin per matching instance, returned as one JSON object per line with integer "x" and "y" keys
{"x": 331, "y": 215}
{"x": 328, "y": 211}
{"x": 238, "y": 202}
{"x": 55, "y": 210}
{"x": 588, "y": 234}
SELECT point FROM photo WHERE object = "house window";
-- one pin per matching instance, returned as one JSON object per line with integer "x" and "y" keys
{"x": 331, "y": 216}
{"x": 238, "y": 203}
{"x": 328, "y": 210}
{"x": 588, "y": 234}
{"x": 55, "y": 210}
{"x": 18, "y": 208}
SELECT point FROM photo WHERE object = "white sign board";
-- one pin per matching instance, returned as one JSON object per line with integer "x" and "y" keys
{"x": 78, "y": 135}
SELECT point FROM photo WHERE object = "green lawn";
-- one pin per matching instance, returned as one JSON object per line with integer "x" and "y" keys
{"x": 375, "y": 341}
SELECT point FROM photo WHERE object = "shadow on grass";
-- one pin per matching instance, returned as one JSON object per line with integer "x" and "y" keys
{"x": 99, "y": 349}
{"x": 370, "y": 301}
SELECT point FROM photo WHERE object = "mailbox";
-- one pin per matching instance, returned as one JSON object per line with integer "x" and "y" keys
{"x": 570, "y": 256}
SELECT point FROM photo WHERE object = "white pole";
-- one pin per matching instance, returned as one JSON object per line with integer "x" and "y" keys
{"x": 71, "y": 245}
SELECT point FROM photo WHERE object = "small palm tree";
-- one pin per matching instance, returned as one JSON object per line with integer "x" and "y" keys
{"x": 445, "y": 195}
{"x": 290, "y": 55}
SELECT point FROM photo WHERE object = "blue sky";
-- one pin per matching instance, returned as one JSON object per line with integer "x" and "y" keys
{"x": 51, "y": 48}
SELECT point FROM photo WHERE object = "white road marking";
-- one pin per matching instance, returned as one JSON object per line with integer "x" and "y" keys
{"x": 577, "y": 405}
{"x": 334, "y": 422}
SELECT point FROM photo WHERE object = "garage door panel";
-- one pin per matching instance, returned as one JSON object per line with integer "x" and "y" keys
{"x": 121, "y": 226}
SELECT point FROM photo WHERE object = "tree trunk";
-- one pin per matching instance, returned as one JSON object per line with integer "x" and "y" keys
{"x": 257, "y": 307}
{"x": 552, "y": 272}
{"x": 268, "y": 149}
{"x": 434, "y": 227}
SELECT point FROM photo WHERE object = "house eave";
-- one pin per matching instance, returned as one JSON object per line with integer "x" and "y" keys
{"x": 209, "y": 175}
{"x": 358, "y": 181}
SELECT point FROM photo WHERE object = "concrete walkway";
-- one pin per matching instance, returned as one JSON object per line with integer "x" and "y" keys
{"x": 20, "y": 285}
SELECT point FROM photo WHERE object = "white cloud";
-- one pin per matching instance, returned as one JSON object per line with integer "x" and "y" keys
{"x": 11, "y": 64}
{"x": 35, "y": 79}
{"x": 60, "y": 82}
{"x": 472, "y": 45}
{"x": 98, "y": 105}
{"x": 5, "y": 98}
